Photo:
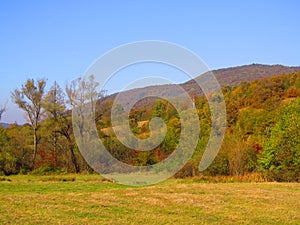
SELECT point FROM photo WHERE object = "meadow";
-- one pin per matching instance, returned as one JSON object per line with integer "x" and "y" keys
{"x": 90, "y": 199}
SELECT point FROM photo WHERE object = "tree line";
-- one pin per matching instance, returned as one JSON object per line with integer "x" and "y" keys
{"x": 47, "y": 139}
{"x": 262, "y": 135}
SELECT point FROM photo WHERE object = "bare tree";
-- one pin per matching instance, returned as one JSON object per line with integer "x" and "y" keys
{"x": 2, "y": 109}
{"x": 82, "y": 93}
{"x": 29, "y": 98}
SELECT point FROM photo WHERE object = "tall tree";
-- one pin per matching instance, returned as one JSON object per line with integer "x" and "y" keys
{"x": 60, "y": 121}
{"x": 82, "y": 92}
{"x": 29, "y": 98}
{"x": 54, "y": 104}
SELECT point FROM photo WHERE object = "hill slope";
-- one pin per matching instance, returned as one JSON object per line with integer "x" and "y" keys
{"x": 4, "y": 125}
{"x": 226, "y": 77}
{"x": 235, "y": 75}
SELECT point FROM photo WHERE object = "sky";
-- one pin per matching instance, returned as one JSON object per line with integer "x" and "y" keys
{"x": 60, "y": 39}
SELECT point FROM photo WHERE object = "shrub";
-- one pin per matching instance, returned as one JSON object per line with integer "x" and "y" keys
{"x": 47, "y": 170}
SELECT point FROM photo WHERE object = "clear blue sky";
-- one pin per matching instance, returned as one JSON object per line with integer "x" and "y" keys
{"x": 58, "y": 40}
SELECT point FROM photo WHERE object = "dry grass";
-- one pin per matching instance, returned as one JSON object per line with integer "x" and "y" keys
{"x": 90, "y": 200}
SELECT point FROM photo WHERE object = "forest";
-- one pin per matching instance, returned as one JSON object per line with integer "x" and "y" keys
{"x": 261, "y": 140}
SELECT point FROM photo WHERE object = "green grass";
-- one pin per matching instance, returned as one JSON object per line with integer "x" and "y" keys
{"x": 88, "y": 199}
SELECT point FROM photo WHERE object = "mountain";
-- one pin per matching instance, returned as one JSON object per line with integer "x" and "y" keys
{"x": 226, "y": 77}
{"x": 235, "y": 75}
{"x": 4, "y": 125}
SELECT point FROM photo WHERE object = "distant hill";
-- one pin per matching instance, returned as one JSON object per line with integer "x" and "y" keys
{"x": 4, "y": 125}
{"x": 226, "y": 77}
{"x": 235, "y": 75}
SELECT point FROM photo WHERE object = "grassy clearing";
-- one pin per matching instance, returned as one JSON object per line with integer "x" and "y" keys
{"x": 88, "y": 199}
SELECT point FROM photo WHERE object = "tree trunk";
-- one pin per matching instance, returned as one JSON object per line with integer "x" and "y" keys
{"x": 71, "y": 148}
{"x": 74, "y": 160}
{"x": 55, "y": 139}
{"x": 34, "y": 147}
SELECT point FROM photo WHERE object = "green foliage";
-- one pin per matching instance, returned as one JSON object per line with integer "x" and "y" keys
{"x": 255, "y": 122}
{"x": 15, "y": 154}
{"x": 29, "y": 98}
{"x": 7, "y": 160}
{"x": 171, "y": 140}
{"x": 281, "y": 155}
{"x": 47, "y": 170}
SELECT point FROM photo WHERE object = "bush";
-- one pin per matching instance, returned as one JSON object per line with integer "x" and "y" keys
{"x": 190, "y": 169}
{"x": 23, "y": 171}
{"x": 47, "y": 170}
{"x": 283, "y": 175}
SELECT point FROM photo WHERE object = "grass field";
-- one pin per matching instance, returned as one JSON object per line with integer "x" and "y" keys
{"x": 87, "y": 199}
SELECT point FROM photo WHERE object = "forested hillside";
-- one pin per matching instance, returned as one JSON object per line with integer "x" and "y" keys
{"x": 262, "y": 137}
{"x": 226, "y": 77}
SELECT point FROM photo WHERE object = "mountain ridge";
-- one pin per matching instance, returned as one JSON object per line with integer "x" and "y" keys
{"x": 231, "y": 76}
{"x": 4, "y": 125}
{"x": 250, "y": 72}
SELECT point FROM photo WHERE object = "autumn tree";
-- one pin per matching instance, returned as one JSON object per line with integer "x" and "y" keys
{"x": 54, "y": 104}
{"x": 7, "y": 159}
{"x": 59, "y": 122}
{"x": 29, "y": 98}
{"x": 19, "y": 150}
